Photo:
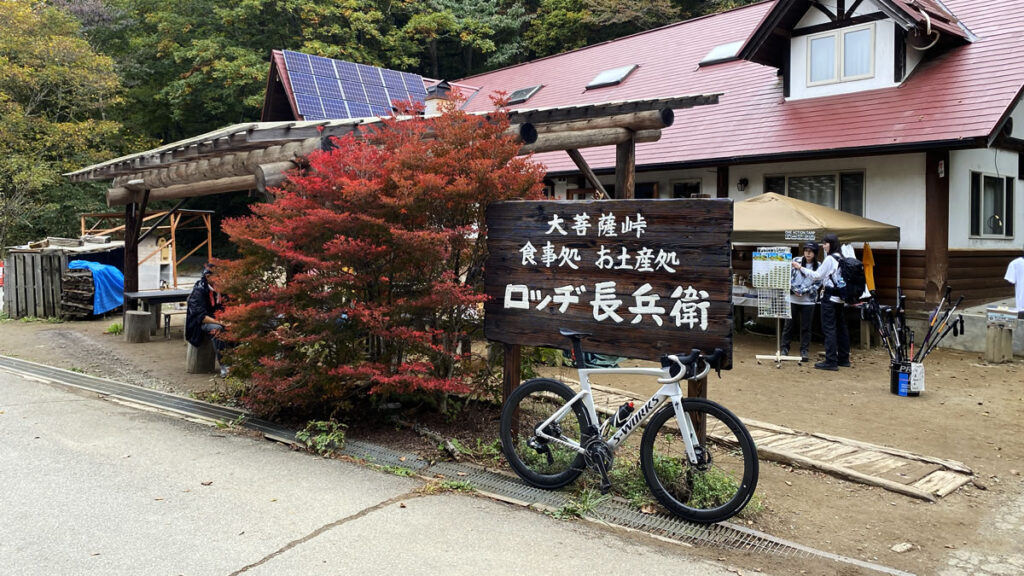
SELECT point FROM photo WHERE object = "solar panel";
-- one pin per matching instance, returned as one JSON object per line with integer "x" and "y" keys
{"x": 297, "y": 62}
{"x": 347, "y": 71}
{"x": 393, "y": 80}
{"x": 329, "y": 89}
{"x": 353, "y": 91}
{"x": 303, "y": 83}
{"x": 376, "y": 95}
{"x": 413, "y": 83}
{"x": 322, "y": 66}
{"x": 335, "y": 108}
{"x": 310, "y": 107}
{"x": 359, "y": 110}
{"x": 369, "y": 74}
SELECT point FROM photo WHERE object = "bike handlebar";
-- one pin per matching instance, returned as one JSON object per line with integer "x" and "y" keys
{"x": 686, "y": 366}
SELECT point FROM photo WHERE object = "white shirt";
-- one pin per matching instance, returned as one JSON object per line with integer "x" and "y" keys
{"x": 1015, "y": 276}
{"x": 825, "y": 273}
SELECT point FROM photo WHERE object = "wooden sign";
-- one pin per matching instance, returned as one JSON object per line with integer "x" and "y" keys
{"x": 645, "y": 277}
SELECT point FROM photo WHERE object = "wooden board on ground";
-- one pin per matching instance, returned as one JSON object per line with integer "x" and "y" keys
{"x": 915, "y": 475}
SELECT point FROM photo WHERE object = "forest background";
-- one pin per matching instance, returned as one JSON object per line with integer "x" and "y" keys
{"x": 83, "y": 81}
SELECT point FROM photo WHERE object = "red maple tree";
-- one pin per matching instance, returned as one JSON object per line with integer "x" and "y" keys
{"x": 365, "y": 272}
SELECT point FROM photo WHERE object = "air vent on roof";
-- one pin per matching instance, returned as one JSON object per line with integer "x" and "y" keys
{"x": 722, "y": 53}
{"x": 611, "y": 77}
{"x": 523, "y": 94}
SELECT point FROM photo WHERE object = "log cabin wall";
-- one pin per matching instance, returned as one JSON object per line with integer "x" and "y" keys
{"x": 977, "y": 274}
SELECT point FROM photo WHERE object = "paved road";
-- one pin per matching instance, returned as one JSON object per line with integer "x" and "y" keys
{"x": 88, "y": 486}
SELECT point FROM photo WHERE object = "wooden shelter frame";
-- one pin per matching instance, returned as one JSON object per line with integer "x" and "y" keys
{"x": 177, "y": 220}
{"x": 257, "y": 156}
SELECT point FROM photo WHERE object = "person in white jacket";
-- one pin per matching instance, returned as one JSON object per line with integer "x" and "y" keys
{"x": 803, "y": 295}
{"x": 833, "y": 321}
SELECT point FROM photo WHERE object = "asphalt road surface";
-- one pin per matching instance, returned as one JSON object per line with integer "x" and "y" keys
{"x": 89, "y": 486}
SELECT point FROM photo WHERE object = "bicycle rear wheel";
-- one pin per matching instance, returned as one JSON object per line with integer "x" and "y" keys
{"x": 723, "y": 481}
{"x": 538, "y": 461}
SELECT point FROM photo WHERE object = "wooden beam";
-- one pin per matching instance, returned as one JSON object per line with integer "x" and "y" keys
{"x": 588, "y": 139}
{"x": 649, "y": 120}
{"x": 271, "y": 175}
{"x": 581, "y": 163}
{"x": 121, "y": 196}
{"x": 625, "y": 169}
{"x": 936, "y": 228}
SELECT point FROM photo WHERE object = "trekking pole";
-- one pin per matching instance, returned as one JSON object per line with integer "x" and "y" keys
{"x": 936, "y": 333}
{"x": 895, "y": 334}
{"x": 935, "y": 316}
{"x": 957, "y": 327}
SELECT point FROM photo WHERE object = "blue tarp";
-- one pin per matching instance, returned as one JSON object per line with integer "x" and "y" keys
{"x": 108, "y": 283}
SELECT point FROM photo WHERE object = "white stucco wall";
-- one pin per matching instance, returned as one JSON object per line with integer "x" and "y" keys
{"x": 1018, "y": 120}
{"x": 885, "y": 34}
{"x": 893, "y": 188}
{"x": 989, "y": 161}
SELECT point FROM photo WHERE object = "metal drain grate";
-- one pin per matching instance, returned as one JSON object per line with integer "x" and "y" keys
{"x": 494, "y": 483}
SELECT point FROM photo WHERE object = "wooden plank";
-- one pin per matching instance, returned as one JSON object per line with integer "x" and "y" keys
{"x": 847, "y": 473}
{"x": 945, "y": 463}
{"x": 45, "y": 291}
{"x": 8, "y": 285}
{"x": 31, "y": 273}
{"x": 936, "y": 230}
{"x": 942, "y": 482}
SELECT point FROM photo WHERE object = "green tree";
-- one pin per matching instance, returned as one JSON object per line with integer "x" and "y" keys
{"x": 55, "y": 92}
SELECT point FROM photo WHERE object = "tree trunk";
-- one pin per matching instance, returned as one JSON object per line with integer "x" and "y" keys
{"x": 137, "y": 325}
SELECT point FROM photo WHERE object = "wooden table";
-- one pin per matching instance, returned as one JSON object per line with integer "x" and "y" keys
{"x": 152, "y": 300}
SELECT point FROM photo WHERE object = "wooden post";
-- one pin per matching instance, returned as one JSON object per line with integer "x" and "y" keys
{"x": 625, "y": 169}
{"x": 722, "y": 182}
{"x": 936, "y": 228}
{"x": 202, "y": 360}
{"x": 137, "y": 324}
{"x": 511, "y": 376}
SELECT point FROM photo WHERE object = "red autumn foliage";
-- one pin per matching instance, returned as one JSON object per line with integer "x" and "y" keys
{"x": 365, "y": 272}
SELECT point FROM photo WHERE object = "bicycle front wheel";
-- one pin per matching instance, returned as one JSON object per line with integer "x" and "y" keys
{"x": 722, "y": 481}
{"x": 541, "y": 462}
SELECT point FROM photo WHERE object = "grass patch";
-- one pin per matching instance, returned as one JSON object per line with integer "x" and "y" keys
{"x": 115, "y": 329}
{"x": 580, "y": 504}
{"x": 323, "y": 437}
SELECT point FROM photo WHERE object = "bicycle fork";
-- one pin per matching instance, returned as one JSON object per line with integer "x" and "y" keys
{"x": 688, "y": 431}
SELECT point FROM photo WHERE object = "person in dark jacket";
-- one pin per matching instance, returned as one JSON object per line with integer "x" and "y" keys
{"x": 204, "y": 303}
{"x": 803, "y": 296}
{"x": 833, "y": 320}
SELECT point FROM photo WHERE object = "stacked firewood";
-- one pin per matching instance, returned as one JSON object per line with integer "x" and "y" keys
{"x": 76, "y": 294}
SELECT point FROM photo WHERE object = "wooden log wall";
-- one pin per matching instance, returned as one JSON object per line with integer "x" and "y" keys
{"x": 32, "y": 284}
{"x": 977, "y": 274}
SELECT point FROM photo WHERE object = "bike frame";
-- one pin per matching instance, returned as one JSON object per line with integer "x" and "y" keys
{"x": 671, "y": 391}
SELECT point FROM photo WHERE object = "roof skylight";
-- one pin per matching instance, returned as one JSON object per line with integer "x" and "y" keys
{"x": 523, "y": 94}
{"x": 722, "y": 53}
{"x": 611, "y": 77}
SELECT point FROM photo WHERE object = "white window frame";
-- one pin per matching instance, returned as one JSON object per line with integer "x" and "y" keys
{"x": 837, "y": 176}
{"x": 840, "y": 36}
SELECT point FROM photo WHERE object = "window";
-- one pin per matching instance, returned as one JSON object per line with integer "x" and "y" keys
{"x": 721, "y": 53}
{"x": 686, "y": 188}
{"x": 991, "y": 205}
{"x": 841, "y": 55}
{"x": 840, "y": 190}
{"x": 645, "y": 191}
{"x": 523, "y": 94}
{"x": 611, "y": 77}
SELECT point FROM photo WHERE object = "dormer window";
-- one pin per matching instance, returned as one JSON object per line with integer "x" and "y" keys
{"x": 841, "y": 55}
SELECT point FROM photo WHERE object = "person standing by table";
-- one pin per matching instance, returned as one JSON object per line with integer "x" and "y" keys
{"x": 833, "y": 321}
{"x": 803, "y": 295}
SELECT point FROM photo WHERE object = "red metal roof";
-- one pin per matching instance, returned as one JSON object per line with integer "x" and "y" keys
{"x": 961, "y": 95}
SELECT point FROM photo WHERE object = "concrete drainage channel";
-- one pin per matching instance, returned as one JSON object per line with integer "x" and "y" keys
{"x": 489, "y": 483}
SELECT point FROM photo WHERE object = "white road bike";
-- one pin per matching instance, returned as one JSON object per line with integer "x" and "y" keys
{"x": 697, "y": 457}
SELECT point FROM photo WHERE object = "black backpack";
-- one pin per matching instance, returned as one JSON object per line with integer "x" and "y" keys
{"x": 851, "y": 274}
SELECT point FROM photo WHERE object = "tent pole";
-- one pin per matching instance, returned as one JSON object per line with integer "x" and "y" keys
{"x": 898, "y": 283}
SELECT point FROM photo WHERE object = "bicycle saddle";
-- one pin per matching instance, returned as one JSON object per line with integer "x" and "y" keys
{"x": 573, "y": 333}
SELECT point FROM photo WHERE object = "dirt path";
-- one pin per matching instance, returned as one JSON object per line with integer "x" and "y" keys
{"x": 969, "y": 412}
